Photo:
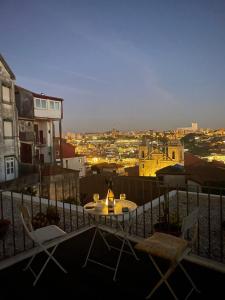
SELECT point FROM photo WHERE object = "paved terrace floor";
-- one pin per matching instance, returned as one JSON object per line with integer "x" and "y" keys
{"x": 134, "y": 281}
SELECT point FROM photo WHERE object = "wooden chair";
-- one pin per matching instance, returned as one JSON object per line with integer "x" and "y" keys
{"x": 174, "y": 249}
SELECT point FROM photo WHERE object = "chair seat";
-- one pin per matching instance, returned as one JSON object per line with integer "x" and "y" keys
{"x": 163, "y": 245}
{"x": 47, "y": 233}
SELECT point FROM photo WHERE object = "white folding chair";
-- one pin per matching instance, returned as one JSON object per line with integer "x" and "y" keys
{"x": 40, "y": 237}
{"x": 174, "y": 249}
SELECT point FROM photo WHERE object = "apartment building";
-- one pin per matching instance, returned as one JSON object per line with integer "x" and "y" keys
{"x": 40, "y": 119}
{"x": 8, "y": 124}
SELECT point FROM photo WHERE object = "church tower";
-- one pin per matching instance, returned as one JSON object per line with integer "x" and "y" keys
{"x": 152, "y": 159}
{"x": 176, "y": 152}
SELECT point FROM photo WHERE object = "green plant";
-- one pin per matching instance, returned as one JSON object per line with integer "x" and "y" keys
{"x": 52, "y": 215}
{"x": 39, "y": 220}
{"x": 29, "y": 190}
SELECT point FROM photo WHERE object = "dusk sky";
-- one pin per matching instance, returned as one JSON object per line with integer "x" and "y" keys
{"x": 150, "y": 64}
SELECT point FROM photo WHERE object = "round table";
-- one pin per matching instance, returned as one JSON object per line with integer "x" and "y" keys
{"x": 101, "y": 209}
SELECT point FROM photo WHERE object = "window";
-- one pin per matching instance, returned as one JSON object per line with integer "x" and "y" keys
{"x": 57, "y": 105}
{"x": 173, "y": 155}
{"x": 8, "y": 129}
{"x": 43, "y": 104}
{"x": 52, "y": 105}
{"x": 5, "y": 93}
{"x": 38, "y": 103}
{"x": 9, "y": 165}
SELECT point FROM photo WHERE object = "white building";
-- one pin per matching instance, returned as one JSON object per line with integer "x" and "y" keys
{"x": 193, "y": 128}
{"x": 8, "y": 124}
{"x": 47, "y": 111}
{"x": 39, "y": 116}
{"x": 77, "y": 163}
{"x": 69, "y": 158}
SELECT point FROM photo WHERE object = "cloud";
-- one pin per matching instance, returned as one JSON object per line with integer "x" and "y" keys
{"x": 50, "y": 85}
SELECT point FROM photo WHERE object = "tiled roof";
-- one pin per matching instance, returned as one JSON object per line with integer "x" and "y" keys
{"x": 172, "y": 170}
{"x": 191, "y": 159}
{"x": 68, "y": 151}
{"x": 206, "y": 173}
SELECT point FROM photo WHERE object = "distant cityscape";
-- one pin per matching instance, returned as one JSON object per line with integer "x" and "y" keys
{"x": 117, "y": 149}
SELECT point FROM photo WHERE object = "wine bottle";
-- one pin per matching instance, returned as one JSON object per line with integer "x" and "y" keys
{"x": 110, "y": 196}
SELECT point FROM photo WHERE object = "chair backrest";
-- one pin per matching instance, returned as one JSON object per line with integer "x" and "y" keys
{"x": 190, "y": 222}
{"x": 26, "y": 220}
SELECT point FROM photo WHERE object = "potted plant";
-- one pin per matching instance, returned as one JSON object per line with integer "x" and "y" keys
{"x": 39, "y": 220}
{"x": 4, "y": 226}
{"x": 52, "y": 215}
{"x": 168, "y": 223}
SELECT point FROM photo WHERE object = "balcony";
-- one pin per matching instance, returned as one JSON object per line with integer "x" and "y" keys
{"x": 40, "y": 142}
{"x": 135, "y": 279}
{"x": 26, "y": 136}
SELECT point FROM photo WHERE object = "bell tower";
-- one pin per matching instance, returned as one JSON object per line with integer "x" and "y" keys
{"x": 176, "y": 152}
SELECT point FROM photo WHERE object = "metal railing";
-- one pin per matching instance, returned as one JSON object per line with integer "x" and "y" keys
{"x": 152, "y": 199}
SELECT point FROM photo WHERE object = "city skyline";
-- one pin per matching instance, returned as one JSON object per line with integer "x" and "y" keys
{"x": 130, "y": 66}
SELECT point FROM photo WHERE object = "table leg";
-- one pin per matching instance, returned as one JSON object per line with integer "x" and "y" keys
{"x": 118, "y": 260}
{"x": 126, "y": 232}
{"x": 104, "y": 239}
{"x": 91, "y": 245}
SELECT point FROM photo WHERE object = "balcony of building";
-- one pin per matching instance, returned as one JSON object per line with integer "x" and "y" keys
{"x": 135, "y": 279}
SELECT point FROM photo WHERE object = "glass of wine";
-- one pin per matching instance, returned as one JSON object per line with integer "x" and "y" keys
{"x": 95, "y": 197}
{"x": 122, "y": 196}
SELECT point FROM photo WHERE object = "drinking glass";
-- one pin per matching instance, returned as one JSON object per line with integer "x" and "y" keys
{"x": 122, "y": 196}
{"x": 95, "y": 197}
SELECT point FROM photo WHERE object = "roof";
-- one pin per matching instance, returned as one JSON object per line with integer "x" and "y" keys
{"x": 46, "y": 97}
{"x": 206, "y": 173}
{"x": 172, "y": 170}
{"x": 108, "y": 165}
{"x": 42, "y": 96}
{"x": 193, "y": 160}
{"x": 68, "y": 150}
{"x": 132, "y": 171}
{"x": 7, "y": 67}
{"x": 50, "y": 170}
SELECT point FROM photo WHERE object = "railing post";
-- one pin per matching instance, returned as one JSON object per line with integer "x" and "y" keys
{"x": 13, "y": 224}
{"x": 209, "y": 224}
{"x": 221, "y": 228}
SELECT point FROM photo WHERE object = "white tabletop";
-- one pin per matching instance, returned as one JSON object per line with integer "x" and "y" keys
{"x": 100, "y": 209}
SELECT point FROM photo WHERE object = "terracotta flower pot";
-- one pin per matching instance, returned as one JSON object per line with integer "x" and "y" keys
{"x": 166, "y": 227}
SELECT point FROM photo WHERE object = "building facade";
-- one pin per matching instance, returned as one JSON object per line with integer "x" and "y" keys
{"x": 70, "y": 160}
{"x": 8, "y": 124}
{"x": 154, "y": 157}
{"x": 186, "y": 130}
{"x": 40, "y": 118}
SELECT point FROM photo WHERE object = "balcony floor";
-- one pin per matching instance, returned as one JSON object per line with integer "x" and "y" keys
{"x": 134, "y": 280}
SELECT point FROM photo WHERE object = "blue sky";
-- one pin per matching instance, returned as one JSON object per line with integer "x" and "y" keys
{"x": 150, "y": 64}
